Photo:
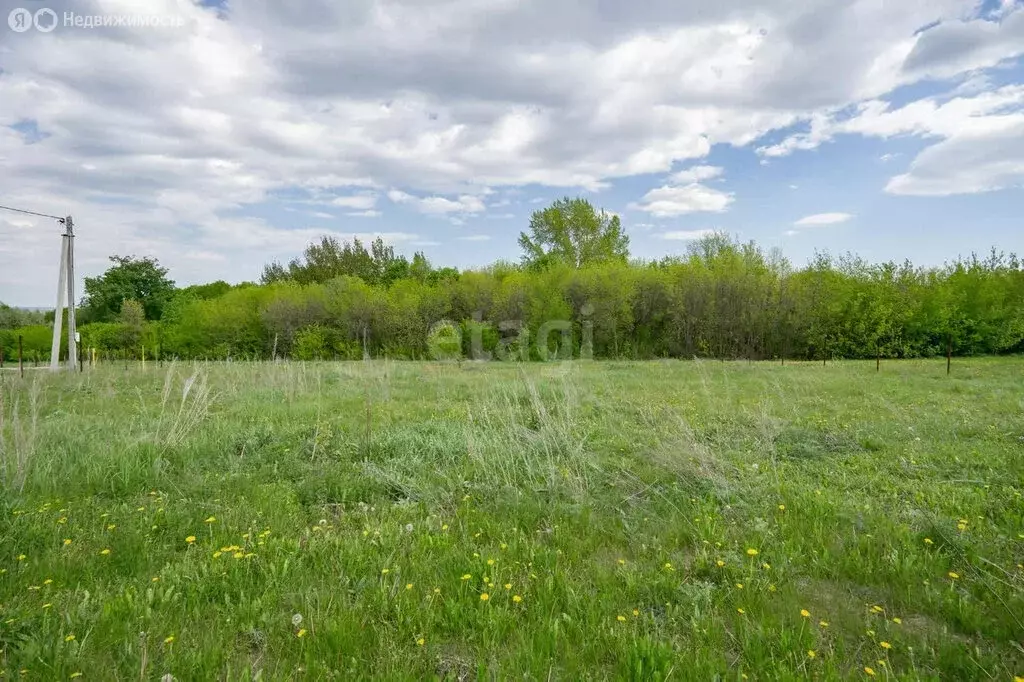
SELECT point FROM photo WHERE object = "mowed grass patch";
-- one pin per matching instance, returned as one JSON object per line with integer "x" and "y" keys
{"x": 656, "y": 520}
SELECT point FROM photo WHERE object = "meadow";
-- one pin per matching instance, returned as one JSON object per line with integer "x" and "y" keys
{"x": 589, "y": 520}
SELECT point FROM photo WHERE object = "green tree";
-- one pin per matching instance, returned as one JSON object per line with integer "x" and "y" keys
{"x": 131, "y": 318}
{"x": 573, "y": 232}
{"x": 138, "y": 279}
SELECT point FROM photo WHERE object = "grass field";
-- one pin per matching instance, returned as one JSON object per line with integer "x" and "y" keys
{"x": 682, "y": 520}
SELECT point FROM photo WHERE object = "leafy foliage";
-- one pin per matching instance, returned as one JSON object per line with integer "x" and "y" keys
{"x": 131, "y": 278}
{"x": 574, "y": 233}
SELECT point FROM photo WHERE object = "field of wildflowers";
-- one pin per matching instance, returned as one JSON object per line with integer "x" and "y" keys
{"x": 610, "y": 520}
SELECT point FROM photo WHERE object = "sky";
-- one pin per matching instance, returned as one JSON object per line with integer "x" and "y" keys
{"x": 217, "y": 136}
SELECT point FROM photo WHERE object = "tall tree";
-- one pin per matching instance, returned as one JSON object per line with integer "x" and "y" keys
{"x": 573, "y": 232}
{"x": 131, "y": 278}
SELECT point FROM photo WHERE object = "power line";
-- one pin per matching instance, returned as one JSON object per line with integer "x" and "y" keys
{"x": 41, "y": 215}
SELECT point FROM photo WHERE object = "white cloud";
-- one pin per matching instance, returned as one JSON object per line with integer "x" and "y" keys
{"x": 823, "y": 219}
{"x": 696, "y": 174}
{"x": 668, "y": 201}
{"x": 182, "y": 129}
{"x": 364, "y": 214}
{"x": 476, "y": 238}
{"x": 686, "y": 235}
{"x": 362, "y": 202}
{"x": 791, "y": 233}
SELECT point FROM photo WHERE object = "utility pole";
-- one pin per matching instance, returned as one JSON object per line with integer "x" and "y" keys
{"x": 65, "y": 286}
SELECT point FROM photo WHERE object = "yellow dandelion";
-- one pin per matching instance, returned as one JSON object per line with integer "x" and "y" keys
{"x": 62, "y": 520}
{"x": 516, "y": 598}
{"x": 954, "y": 575}
{"x": 668, "y": 567}
{"x": 636, "y": 613}
{"x": 508, "y": 586}
{"x": 740, "y": 611}
{"x": 169, "y": 639}
{"x": 484, "y": 596}
{"x": 928, "y": 541}
{"x": 437, "y": 590}
{"x": 823, "y": 623}
{"x": 898, "y": 621}
{"x": 217, "y": 555}
{"x": 621, "y": 619}
{"x": 805, "y": 613}
{"x": 739, "y": 586}
{"x": 155, "y": 579}
{"x": 720, "y": 563}
{"x": 48, "y": 581}
{"x": 782, "y": 507}
{"x": 885, "y": 645}
{"x": 238, "y": 555}
{"x": 877, "y": 609}
{"x": 503, "y": 546}
{"x": 408, "y": 586}
{"x": 112, "y": 526}
{"x": 490, "y": 562}
{"x": 22, "y": 557}
{"x": 869, "y": 671}
{"x": 190, "y": 539}
{"x": 210, "y": 519}
{"x": 420, "y": 641}
{"x": 752, "y": 552}
{"x": 104, "y": 552}
{"x": 444, "y": 527}
{"x": 385, "y": 571}
{"x": 467, "y": 576}
{"x": 67, "y": 541}
{"x": 766, "y": 566}
{"x": 301, "y": 633}
{"x": 810, "y": 653}
{"x": 69, "y": 638}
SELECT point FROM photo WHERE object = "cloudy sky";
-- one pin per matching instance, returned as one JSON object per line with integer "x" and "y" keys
{"x": 232, "y": 133}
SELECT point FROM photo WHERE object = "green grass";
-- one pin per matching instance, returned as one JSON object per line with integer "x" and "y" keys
{"x": 619, "y": 501}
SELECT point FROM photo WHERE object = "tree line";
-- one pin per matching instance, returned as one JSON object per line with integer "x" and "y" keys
{"x": 722, "y": 299}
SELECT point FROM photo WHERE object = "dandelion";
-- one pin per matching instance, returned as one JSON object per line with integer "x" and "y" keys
{"x": 668, "y": 567}
{"x": 296, "y": 619}
{"x": 69, "y": 638}
{"x": 810, "y": 653}
{"x": 504, "y": 546}
{"x": 508, "y": 586}
{"x": 62, "y": 520}
{"x": 169, "y": 639}
{"x": 823, "y": 623}
{"x": 484, "y": 596}
{"x": 740, "y": 611}
{"x": 210, "y": 519}
{"x": 217, "y": 555}
{"x": 805, "y": 613}
{"x": 112, "y": 526}
{"x": 385, "y": 571}
{"x": 766, "y": 566}
{"x": 67, "y": 541}
{"x": 752, "y": 552}
{"x": 301, "y": 633}
{"x": 516, "y": 598}
{"x": 877, "y": 609}
{"x": 238, "y": 555}
{"x": 954, "y": 575}
{"x": 636, "y": 613}
{"x": 869, "y": 671}
{"x": 782, "y": 507}
{"x": 48, "y": 581}
{"x": 467, "y": 576}
{"x": 898, "y": 621}
{"x": 155, "y": 579}
{"x": 928, "y": 541}
{"x": 720, "y": 563}
{"x": 885, "y": 645}
{"x": 22, "y": 557}
{"x": 408, "y": 586}
{"x": 444, "y": 527}
{"x": 420, "y": 641}
{"x": 621, "y": 619}
{"x": 190, "y": 539}
{"x": 437, "y": 590}
{"x": 104, "y": 552}
{"x": 739, "y": 586}
{"x": 490, "y": 562}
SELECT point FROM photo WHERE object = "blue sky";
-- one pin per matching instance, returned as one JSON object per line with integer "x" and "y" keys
{"x": 235, "y": 133}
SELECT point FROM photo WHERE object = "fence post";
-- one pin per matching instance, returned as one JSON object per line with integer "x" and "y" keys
{"x": 21, "y": 363}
